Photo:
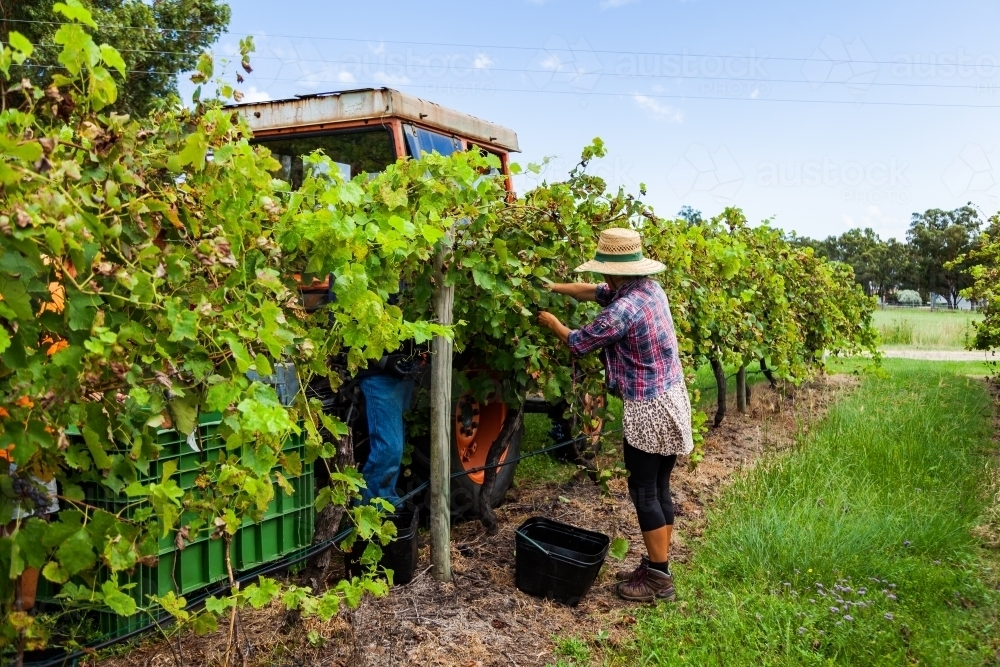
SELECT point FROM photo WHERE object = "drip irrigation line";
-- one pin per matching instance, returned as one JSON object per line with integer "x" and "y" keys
{"x": 292, "y": 559}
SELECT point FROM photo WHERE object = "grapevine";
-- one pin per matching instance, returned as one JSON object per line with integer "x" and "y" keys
{"x": 148, "y": 264}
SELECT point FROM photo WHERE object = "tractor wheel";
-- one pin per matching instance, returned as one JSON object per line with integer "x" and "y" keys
{"x": 475, "y": 427}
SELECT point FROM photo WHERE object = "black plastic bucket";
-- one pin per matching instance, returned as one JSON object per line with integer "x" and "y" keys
{"x": 400, "y": 555}
{"x": 557, "y": 561}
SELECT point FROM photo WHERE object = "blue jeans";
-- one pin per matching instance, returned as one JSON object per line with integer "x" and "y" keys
{"x": 386, "y": 399}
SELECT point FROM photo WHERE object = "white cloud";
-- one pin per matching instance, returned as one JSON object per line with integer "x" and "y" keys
{"x": 252, "y": 94}
{"x": 390, "y": 79}
{"x": 657, "y": 110}
{"x": 847, "y": 220}
{"x": 551, "y": 61}
{"x": 377, "y": 49}
{"x": 614, "y": 4}
{"x": 482, "y": 61}
{"x": 343, "y": 76}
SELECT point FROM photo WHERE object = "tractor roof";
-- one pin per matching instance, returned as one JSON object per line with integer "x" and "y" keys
{"x": 372, "y": 104}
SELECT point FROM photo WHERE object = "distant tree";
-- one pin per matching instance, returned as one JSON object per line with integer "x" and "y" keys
{"x": 157, "y": 39}
{"x": 938, "y": 239}
{"x": 909, "y": 297}
{"x": 692, "y": 215}
{"x": 820, "y": 248}
{"x": 893, "y": 268}
{"x": 862, "y": 249}
{"x": 880, "y": 267}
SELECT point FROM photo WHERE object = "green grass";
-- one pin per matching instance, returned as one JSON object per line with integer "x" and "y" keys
{"x": 878, "y": 500}
{"x": 923, "y": 328}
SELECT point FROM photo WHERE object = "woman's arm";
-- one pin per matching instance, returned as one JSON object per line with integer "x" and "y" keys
{"x": 579, "y": 291}
{"x": 549, "y": 320}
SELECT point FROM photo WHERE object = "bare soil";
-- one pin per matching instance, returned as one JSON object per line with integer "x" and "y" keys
{"x": 481, "y": 619}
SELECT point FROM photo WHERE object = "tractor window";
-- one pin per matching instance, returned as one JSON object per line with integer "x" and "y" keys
{"x": 493, "y": 171}
{"x": 420, "y": 141}
{"x": 354, "y": 152}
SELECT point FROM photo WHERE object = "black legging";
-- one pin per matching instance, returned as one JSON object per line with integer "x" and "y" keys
{"x": 649, "y": 487}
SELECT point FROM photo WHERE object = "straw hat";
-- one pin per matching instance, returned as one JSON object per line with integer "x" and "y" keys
{"x": 619, "y": 253}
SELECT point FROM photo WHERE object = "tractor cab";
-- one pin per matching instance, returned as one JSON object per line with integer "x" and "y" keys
{"x": 363, "y": 131}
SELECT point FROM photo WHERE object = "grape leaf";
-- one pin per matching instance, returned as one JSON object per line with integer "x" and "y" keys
{"x": 619, "y": 548}
{"x": 76, "y": 554}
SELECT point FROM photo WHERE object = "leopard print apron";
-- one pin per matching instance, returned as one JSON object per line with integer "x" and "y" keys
{"x": 660, "y": 425}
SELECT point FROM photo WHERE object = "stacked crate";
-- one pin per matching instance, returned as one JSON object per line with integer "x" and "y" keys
{"x": 286, "y": 526}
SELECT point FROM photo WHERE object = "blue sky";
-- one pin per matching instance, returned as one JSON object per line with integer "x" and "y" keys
{"x": 822, "y": 116}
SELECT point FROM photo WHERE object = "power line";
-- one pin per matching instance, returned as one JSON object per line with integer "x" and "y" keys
{"x": 592, "y": 93}
{"x": 491, "y": 46}
{"x": 257, "y": 57}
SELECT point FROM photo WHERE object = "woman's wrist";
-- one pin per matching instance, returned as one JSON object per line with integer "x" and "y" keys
{"x": 561, "y": 331}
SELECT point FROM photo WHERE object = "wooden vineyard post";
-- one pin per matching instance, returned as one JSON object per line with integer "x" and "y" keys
{"x": 441, "y": 421}
{"x": 741, "y": 390}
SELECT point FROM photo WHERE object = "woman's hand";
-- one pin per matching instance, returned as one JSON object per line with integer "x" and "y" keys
{"x": 547, "y": 319}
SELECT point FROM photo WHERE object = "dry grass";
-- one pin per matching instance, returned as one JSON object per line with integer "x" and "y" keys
{"x": 926, "y": 329}
{"x": 481, "y": 619}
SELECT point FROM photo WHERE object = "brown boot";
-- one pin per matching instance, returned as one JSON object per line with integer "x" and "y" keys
{"x": 648, "y": 586}
{"x": 629, "y": 575}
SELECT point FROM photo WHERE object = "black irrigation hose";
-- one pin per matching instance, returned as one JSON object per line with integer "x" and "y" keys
{"x": 290, "y": 560}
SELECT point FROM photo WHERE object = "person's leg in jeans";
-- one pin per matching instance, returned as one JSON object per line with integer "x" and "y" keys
{"x": 386, "y": 399}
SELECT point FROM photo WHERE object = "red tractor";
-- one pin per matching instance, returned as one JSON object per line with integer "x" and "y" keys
{"x": 363, "y": 131}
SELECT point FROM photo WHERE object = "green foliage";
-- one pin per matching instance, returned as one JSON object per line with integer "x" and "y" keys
{"x": 737, "y": 293}
{"x": 940, "y": 240}
{"x": 985, "y": 287}
{"x": 163, "y": 39}
{"x": 619, "y": 548}
{"x": 146, "y": 265}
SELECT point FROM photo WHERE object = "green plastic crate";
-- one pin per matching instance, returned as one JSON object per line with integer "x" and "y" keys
{"x": 288, "y": 524}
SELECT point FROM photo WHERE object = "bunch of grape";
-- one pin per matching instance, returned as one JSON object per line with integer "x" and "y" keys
{"x": 26, "y": 488}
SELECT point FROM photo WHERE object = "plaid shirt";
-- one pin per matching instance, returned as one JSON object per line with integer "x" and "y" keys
{"x": 635, "y": 334}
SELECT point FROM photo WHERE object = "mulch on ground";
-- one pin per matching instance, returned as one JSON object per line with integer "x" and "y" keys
{"x": 481, "y": 619}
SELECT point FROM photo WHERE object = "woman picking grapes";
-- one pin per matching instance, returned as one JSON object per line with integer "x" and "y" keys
{"x": 638, "y": 346}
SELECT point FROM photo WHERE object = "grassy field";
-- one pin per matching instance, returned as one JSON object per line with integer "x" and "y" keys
{"x": 857, "y": 548}
{"x": 926, "y": 329}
